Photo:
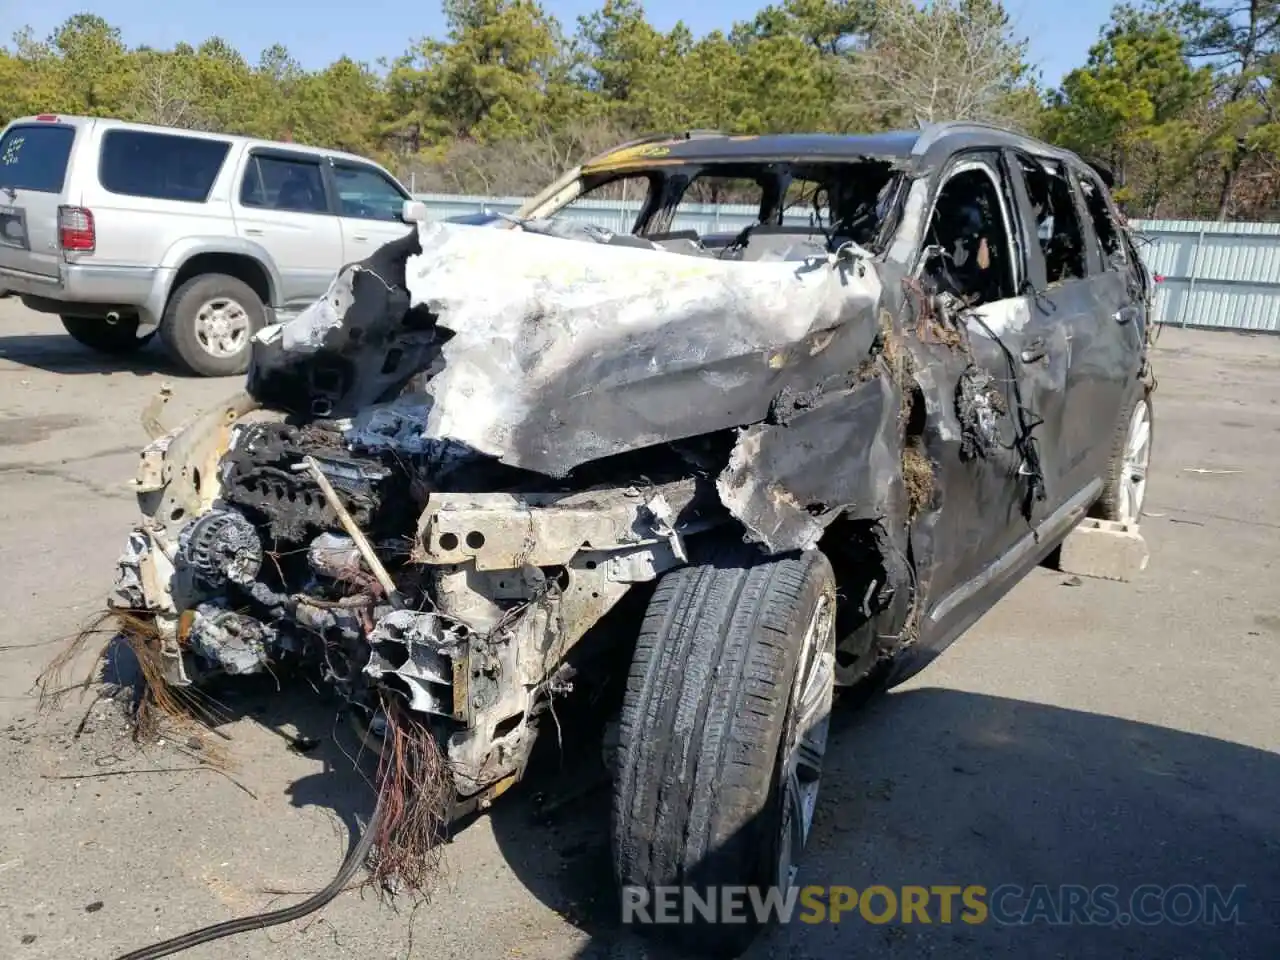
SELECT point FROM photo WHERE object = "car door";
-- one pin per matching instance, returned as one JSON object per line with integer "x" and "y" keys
{"x": 1080, "y": 298}
{"x": 987, "y": 400}
{"x": 283, "y": 204}
{"x": 34, "y": 158}
{"x": 1107, "y": 355}
{"x": 369, "y": 206}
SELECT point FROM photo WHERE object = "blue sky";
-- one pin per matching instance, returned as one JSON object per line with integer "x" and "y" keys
{"x": 319, "y": 31}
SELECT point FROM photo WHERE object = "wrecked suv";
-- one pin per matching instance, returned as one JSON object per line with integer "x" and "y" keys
{"x": 495, "y": 463}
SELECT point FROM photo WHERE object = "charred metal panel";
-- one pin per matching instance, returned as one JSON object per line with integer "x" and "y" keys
{"x": 357, "y": 345}
{"x": 968, "y": 429}
{"x": 787, "y": 481}
{"x": 502, "y": 531}
{"x": 585, "y": 350}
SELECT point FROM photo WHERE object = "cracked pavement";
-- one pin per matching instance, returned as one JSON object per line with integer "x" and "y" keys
{"x": 1083, "y": 732}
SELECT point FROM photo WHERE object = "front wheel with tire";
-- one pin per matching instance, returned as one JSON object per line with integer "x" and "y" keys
{"x": 209, "y": 323}
{"x": 722, "y": 735}
{"x": 1124, "y": 486}
{"x": 104, "y": 336}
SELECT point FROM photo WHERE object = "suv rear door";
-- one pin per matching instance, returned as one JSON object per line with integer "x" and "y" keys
{"x": 282, "y": 202}
{"x": 1114, "y": 332}
{"x": 369, "y": 207}
{"x": 34, "y": 157}
{"x": 1082, "y": 298}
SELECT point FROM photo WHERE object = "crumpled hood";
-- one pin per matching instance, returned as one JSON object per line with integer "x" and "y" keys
{"x": 563, "y": 352}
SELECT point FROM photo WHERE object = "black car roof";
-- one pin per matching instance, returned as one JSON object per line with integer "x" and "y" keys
{"x": 920, "y": 148}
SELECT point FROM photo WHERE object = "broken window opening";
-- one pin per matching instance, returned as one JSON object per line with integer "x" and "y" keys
{"x": 1057, "y": 222}
{"x": 709, "y": 197}
{"x": 598, "y": 205}
{"x": 717, "y": 190}
{"x": 849, "y": 201}
{"x": 971, "y": 226}
{"x": 807, "y": 203}
{"x": 1110, "y": 247}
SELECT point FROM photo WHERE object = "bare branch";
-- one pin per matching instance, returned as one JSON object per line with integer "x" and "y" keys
{"x": 947, "y": 61}
{"x": 163, "y": 95}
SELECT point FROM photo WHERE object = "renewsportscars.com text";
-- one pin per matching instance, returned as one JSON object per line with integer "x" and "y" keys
{"x": 1008, "y": 904}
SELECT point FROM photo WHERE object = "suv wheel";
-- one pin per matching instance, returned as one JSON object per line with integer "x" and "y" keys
{"x": 209, "y": 323}
{"x": 1125, "y": 483}
{"x": 106, "y": 337}
{"x": 722, "y": 735}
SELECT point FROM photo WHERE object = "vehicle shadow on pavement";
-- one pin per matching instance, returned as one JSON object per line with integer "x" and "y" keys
{"x": 58, "y": 353}
{"x": 308, "y": 720}
{"x": 934, "y": 786}
{"x": 288, "y": 707}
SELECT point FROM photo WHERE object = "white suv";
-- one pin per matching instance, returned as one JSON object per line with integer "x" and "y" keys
{"x": 123, "y": 228}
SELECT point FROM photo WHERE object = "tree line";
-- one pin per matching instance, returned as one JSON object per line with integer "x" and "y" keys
{"x": 1179, "y": 97}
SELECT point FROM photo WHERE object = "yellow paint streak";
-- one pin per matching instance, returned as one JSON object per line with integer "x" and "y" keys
{"x": 642, "y": 151}
{"x": 641, "y": 164}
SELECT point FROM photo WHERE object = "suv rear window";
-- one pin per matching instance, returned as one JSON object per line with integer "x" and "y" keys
{"x": 34, "y": 156}
{"x": 161, "y": 166}
{"x": 1104, "y": 228}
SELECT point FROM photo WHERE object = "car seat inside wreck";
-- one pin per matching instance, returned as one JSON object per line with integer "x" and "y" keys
{"x": 456, "y": 484}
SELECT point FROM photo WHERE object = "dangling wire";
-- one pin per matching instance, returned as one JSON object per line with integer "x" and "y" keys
{"x": 1027, "y": 420}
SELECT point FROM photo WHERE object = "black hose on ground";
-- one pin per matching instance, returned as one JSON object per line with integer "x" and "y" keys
{"x": 230, "y": 928}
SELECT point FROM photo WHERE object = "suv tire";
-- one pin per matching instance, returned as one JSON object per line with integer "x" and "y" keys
{"x": 97, "y": 334}
{"x": 735, "y": 660}
{"x": 209, "y": 323}
{"x": 1124, "y": 484}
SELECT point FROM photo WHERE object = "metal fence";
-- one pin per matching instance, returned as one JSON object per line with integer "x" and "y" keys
{"x": 1223, "y": 275}
{"x": 1220, "y": 275}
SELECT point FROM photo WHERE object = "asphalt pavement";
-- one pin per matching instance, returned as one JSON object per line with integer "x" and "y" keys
{"x": 1083, "y": 734}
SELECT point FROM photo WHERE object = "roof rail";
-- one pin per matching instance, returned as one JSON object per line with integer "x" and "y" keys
{"x": 652, "y": 138}
{"x": 933, "y": 132}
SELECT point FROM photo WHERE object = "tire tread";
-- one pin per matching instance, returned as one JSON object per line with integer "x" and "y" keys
{"x": 705, "y": 706}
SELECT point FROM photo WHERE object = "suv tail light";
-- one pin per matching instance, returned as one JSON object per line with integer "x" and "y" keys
{"x": 75, "y": 230}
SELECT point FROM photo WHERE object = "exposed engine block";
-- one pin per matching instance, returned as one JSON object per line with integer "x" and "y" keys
{"x": 263, "y": 473}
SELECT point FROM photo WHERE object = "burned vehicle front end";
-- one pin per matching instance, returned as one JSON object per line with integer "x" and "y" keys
{"x": 754, "y": 466}
{"x": 562, "y": 436}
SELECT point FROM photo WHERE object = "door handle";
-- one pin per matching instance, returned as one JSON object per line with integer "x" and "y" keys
{"x": 253, "y": 231}
{"x": 1122, "y": 315}
{"x": 360, "y": 239}
{"x": 1034, "y": 352}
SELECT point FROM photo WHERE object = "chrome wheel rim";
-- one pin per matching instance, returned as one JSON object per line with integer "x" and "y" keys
{"x": 222, "y": 327}
{"x": 1137, "y": 457}
{"x": 812, "y": 694}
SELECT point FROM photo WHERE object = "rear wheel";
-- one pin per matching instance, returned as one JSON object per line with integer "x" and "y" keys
{"x": 722, "y": 736}
{"x": 105, "y": 336}
{"x": 209, "y": 323}
{"x": 1125, "y": 483}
